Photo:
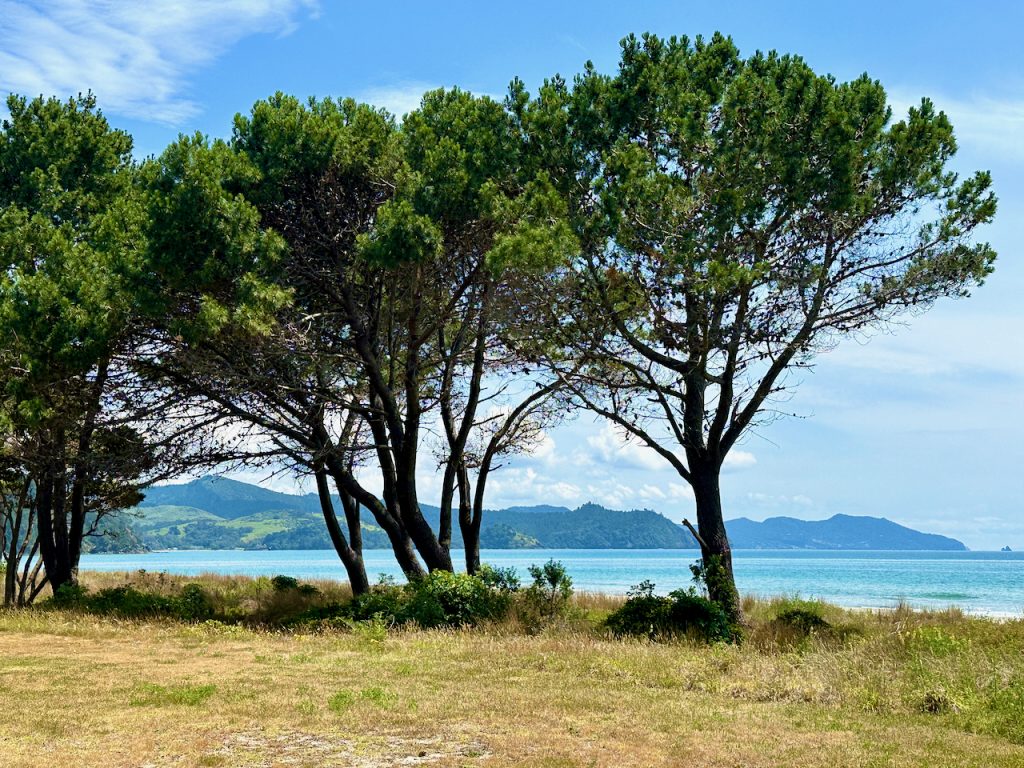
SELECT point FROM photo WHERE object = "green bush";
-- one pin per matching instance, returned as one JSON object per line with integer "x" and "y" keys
{"x": 440, "y": 599}
{"x": 501, "y": 579}
{"x": 69, "y": 596}
{"x": 383, "y": 600}
{"x": 551, "y": 589}
{"x": 547, "y": 599}
{"x": 284, "y": 583}
{"x": 681, "y": 613}
{"x": 693, "y": 614}
{"x": 644, "y": 614}
{"x": 194, "y": 604}
{"x": 129, "y": 603}
{"x": 452, "y": 599}
{"x": 803, "y": 620}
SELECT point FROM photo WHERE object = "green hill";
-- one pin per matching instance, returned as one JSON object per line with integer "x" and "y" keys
{"x": 218, "y": 513}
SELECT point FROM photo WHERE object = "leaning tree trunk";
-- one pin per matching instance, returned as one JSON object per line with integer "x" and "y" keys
{"x": 714, "y": 541}
{"x": 350, "y": 550}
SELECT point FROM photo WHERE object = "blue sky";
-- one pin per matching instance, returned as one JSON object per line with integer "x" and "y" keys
{"x": 922, "y": 425}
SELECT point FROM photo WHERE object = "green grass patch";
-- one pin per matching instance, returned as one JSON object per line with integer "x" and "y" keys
{"x": 151, "y": 695}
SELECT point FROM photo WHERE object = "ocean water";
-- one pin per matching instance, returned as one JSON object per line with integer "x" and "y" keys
{"x": 978, "y": 582}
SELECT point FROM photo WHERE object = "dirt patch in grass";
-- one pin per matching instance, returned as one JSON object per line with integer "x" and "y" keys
{"x": 257, "y": 749}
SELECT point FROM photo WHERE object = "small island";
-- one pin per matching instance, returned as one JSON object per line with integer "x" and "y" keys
{"x": 1006, "y": 549}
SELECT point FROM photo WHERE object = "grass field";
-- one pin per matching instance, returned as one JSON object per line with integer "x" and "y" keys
{"x": 896, "y": 688}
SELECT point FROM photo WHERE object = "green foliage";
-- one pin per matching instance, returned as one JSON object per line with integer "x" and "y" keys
{"x": 548, "y": 597}
{"x": 935, "y": 642}
{"x": 128, "y": 602}
{"x": 384, "y": 600}
{"x": 211, "y": 263}
{"x": 69, "y": 232}
{"x": 644, "y": 614}
{"x": 440, "y": 599}
{"x": 284, "y": 583}
{"x": 379, "y": 697}
{"x": 711, "y": 575}
{"x": 683, "y": 613}
{"x": 551, "y": 581}
{"x": 70, "y": 595}
{"x": 805, "y": 621}
{"x": 152, "y": 695}
{"x": 452, "y": 599}
{"x": 192, "y": 604}
{"x": 501, "y": 579}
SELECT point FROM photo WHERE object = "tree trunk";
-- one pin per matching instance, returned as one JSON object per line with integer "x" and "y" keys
{"x": 401, "y": 543}
{"x": 11, "y": 574}
{"x": 351, "y": 556}
{"x": 435, "y": 556}
{"x": 52, "y": 530}
{"x": 715, "y": 550}
{"x": 469, "y": 523}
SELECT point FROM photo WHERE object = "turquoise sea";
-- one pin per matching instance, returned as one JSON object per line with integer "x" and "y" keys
{"x": 979, "y": 582}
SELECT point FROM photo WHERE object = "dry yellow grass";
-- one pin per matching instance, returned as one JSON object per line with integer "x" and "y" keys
{"x": 85, "y": 691}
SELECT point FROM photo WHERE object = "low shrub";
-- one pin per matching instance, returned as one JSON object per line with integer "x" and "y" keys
{"x": 440, "y": 599}
{"x": 69, "y": 596}
{"x": 129, "y": 603}
{"x": 694, "y": 614}
{"x": 794, "y": 624}
{"x": 547, "y": 600}
{"x": 284, "y": 583}
{"x": 644, "y": 614}
{"x": 502, "y": 579}
{"x": 551, "y": 589}
{"x": 452, "y": 599}
{"x": 682, "y": 613}
{"x": 194, "y": 604}
{"x": 802, "y": 620}
{"x": 384, "y": 600}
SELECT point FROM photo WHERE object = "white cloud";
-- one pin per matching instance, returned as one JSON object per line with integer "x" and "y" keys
{"x": 943, "y": 342}
{"x": 136, "y": 57}
{"x": 400, "y": 99}
{"x": 611, "y": 447}
{"x": 993, "y": 125}
{"x": 680, "y": 491}
{"x": 652, "y": 492}
{"x": 543, "y": 449}
{"x": 739, "y": 460}
{"x": 515, "y": 486}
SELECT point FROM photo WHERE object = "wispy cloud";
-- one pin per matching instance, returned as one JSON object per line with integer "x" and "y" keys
{"x": 403, "y": 97}
{"x": 739, "y": 460}
{"x": 399, "y": 99}
{"x": 612, "y": 447}
{"x": 988, "y": 124}
{"x": 136, "y": 57}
